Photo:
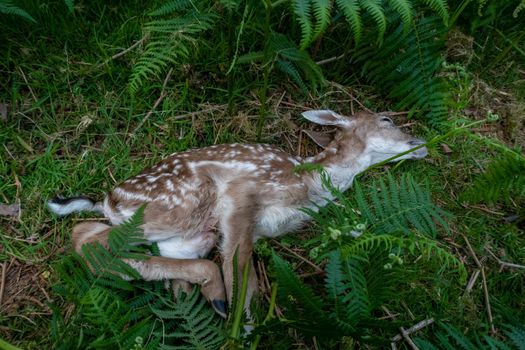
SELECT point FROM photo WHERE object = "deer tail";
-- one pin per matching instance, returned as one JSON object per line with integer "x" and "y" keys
{"x": 64, "y": 206}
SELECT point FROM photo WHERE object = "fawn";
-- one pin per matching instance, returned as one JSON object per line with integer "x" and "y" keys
{"x": 234, "y": 194}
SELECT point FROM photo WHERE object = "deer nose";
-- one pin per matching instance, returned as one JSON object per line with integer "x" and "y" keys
{"x": 416, "y": 142}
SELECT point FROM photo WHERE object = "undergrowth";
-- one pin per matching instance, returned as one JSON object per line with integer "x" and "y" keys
{"x": 92, "y": 92}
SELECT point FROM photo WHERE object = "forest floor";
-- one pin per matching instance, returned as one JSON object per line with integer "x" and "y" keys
{"x": 68, "y": 126}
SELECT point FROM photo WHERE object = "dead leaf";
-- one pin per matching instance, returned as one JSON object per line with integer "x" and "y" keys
{"x": 9, "y": 209}
{"x": 24, "y": 144}
{"x": 445, "y": 148}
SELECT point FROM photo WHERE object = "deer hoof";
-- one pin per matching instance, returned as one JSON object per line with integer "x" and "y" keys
{"x": 220, "y": 307}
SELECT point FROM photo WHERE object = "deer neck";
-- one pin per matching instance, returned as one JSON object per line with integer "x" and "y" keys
{"x": 341, "y": 164}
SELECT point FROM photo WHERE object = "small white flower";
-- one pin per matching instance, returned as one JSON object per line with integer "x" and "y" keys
{"x": 360, "y": 227}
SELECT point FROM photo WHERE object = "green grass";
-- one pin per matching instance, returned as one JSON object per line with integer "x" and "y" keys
{"x": 72, "y": 129}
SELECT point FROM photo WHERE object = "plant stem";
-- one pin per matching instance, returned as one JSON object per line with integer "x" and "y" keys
{"x": 239, "y": 308}
{"x": 458, "y": 12}
{"x": 229, "y": 76}
{"x": 268, "y": 317}
{"x": 266, "y": 71}
{"x": 431, "y": 142}
{"x": 6, "y": 346}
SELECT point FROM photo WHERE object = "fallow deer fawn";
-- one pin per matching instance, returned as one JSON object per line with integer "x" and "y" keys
{"x": 238, "y": 193}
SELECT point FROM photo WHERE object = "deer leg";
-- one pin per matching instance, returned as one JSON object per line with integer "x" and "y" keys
{"x": 199, "y": 271}
{"x": 237, "y": 238}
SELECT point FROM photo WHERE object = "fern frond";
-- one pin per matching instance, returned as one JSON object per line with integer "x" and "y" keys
{"x": 334, "y": 281}
{"x": 302, "y": 11}
{"x": 397, "y": 208}
{"x": 458, "y": 337}
{"x": 105, "y": 309}
{"x": 516, "y": 335}
{"x": 440, "y": 7}
{"x": 321, "y": 10}
{"x": 351, "y": 11}
{"x": 504, "y": 179}
{"x": 125, "y": 240}
{"x": 291, "y": 285}
{"x": 356, "y": 299}
{"x": 7, "y": 7}
{"x": 405, "y": 11}
{"x": 367, "y": 243}
{"x": 290, "y": 60}
{"x": 406, "y": 67}
{"x": 230, "y": 5}
{"x": 375, "y": 9}
{"x": 70, "y": 5}
{"x": 197, "y": 325}
{"x": 495, "y": 344}
{"x": 170, "y": 41}
{"x": 450, "y": 337}
{"x": 290, "y": 69}
{"x": 171, "y": 6}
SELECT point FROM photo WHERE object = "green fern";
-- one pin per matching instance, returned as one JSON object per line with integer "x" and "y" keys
{"x": 404, "y": 10}
{"x": 356, "y": 284}
{"x": 105, "y": 310}
{"x": 302, "y": 9}
{"x": 170, "y": 40}
{"x": 406, "y": 67}
{"x": 290, "y": 60}
{"x": 504, "y": 179}
{"x": 321, "y": 10}
{"x": 426, "y": 247}
{"x": 198, "y": 327}
{"x": 353, "y": 11}
{"x": 171, "y": 7}
{"x": 291, "y": 286}
{"x": 114, "y": 313}
{"x": 516, "y": 335}
{"x": 392, "y": 207}
{"x": 375, "y": 9}
{"x": 7, "y": 7}
{"x": 448, "y": 337}
{"x": 70, "y": 5}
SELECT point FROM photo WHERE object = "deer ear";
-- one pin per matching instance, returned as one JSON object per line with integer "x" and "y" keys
{"x": 322, "y": 139}
{"x": 326, "y": 117}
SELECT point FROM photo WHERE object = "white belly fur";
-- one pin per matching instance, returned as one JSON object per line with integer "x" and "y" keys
{"x": 276, "y": 221}
{"x": 179, "y": 248}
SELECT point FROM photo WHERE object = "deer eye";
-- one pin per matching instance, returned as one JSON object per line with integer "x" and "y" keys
{"x": 386, "y": 119}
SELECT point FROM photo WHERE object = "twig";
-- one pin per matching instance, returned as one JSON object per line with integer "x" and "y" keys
{"x": 504, "y": 263}
{"x": 27, "y": 83}
{"x": 317, "y": 268}
{"x": 2, "y": 281}
{"x": 123, "y": 52}
{"x": 299, "y": 142}
{"x": 343, "y": 89}
{"x": 413, "y": 329}
{"x": 157, "y": 102}
{"x": 485, "y": 288}
{"x": 472, "y": 281}
{"x": 486, "y": 210}
{"x": 111, "y": 176}
{"x": 409, "y": 341}
{"x": 328, "y": 60}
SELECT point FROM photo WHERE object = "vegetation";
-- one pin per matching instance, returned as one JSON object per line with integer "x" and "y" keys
{"x": 427, "y": 254}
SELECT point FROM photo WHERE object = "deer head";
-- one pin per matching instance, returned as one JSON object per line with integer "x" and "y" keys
{"x": 371, "y": 137}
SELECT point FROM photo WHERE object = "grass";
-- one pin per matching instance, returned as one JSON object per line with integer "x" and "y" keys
{"x": 73, "y": 128}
